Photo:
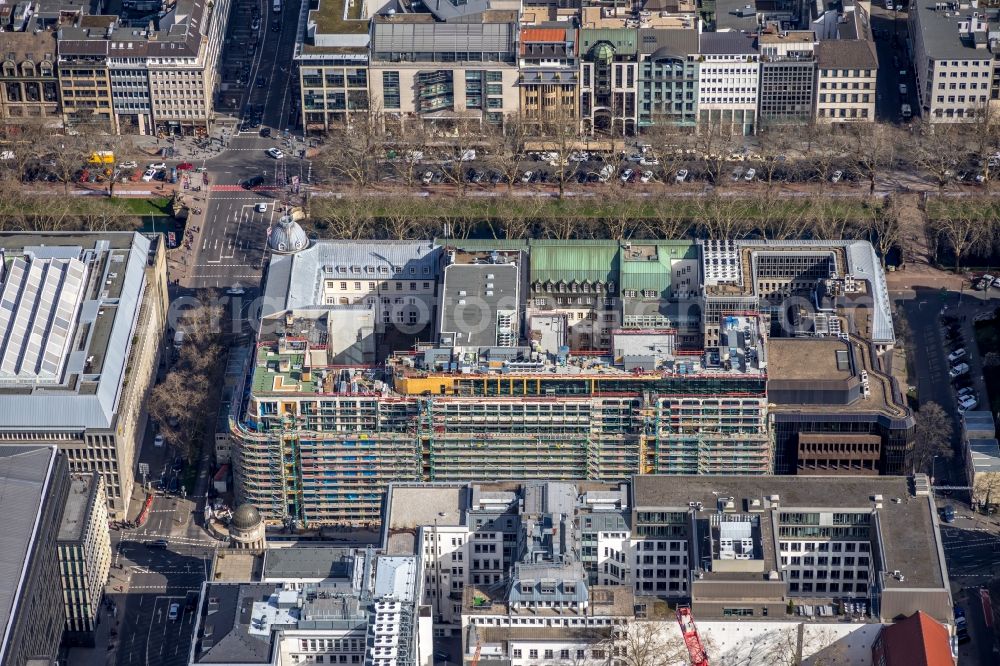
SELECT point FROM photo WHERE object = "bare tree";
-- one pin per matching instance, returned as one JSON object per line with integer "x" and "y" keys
{"x": 646, "y": 643}
{"x": 873, "y": 148}
{"x": 182, "y": 403}
{"x": 931, "y": 436}
{"x": 716, "y": 144}
{"x": 64, "y": 156}
{"x": 986, "y": 490}
{"x": 938, "y": 147}
{"x": 963, "y": 231}
{"x": 882, "y": 225}
{"x": 561, "y": 138}
{"x": 353, "y": 149}
{"x": 506, "y": 148}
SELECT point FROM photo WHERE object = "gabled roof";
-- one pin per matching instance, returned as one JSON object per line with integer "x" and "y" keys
{"x": 918, "y": 640}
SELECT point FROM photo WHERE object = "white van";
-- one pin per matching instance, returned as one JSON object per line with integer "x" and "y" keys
{"x": 958, "y": 370}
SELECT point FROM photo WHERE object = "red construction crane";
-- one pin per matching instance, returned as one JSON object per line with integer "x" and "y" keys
{"x": 690, "y": 632}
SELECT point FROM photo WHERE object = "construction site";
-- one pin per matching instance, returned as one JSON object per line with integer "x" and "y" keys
{"x": 490, "y": 387}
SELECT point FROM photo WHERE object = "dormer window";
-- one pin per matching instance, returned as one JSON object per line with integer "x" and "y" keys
{"x": 526, "y": 586}
{"x": 569, "y": 588}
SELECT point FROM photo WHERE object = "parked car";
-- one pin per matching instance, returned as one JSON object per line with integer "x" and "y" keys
{"x": 957, "y": 354}
{"x": 149, "y": 175}
{"x": 626, "y": 175}
{"x": 837, "y": 175}
{"x": 649, "y": 160}
{"x": 159, "y": 543}
{"x": 681, "y": 176}
{"x": 967, "y": 403}
{"x": 265, "y": 132}
{"x": 427, "y": 177}
{"x": 958, "y": 370}
{"x": 158, "y": 441}
{"x": 948, "y": 514}
{"x": 646, "y": 176}
{"x": 526, "y": 176}
{"x": 902, "y": 88}
{"x": 131, "y": 164}
{"x": 157, "y": 166}
{"x": 737, "y": 174}
{"x": 750, "y": 174}
{"x": 185, "y": 166}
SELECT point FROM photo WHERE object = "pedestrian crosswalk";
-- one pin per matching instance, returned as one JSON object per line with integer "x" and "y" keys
{"x": 240, "y": 188}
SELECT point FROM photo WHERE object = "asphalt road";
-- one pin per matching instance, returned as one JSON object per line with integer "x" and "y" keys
{"x": 229, "y": 250}
{"x": 890, "y": 44}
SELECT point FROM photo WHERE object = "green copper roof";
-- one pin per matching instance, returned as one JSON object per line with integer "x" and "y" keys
{"x": 646, "y": 265}
{"x": 580, "y": 260}
{"x": 625, "y": 41}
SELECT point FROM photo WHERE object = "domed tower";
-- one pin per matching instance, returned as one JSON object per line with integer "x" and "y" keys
{"x": 286, "y": 236}
{"x": 246, "y": 528}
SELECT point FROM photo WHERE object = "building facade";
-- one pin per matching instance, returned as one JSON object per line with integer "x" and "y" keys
{"x": 787, "y": 77}
{"x": 32, "y": 605}
{"x": 648, "y": 356}
{"x": 29, "y": 79}
{"x": 101, "y": 351}
{"x": 952, "y": 55}
{"x": 84, "y": 545}
{"x": 521, "y": 570}
{"x": 728, "y": 81}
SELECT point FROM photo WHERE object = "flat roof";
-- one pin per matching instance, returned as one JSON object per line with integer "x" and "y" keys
{"x": 25, "y": 473}
{"x": 340, "y": 17}
{"x": 410, "y": 507}
{"x": 308, "y": 562}
{"x": 808, "y": 358}
{"x": 907, "y": 527}
{"x": 939, "y": 30}
{"x": 105, "y": 309}
{"x": 82, "y": 493}
{"x": 985, "y": 454}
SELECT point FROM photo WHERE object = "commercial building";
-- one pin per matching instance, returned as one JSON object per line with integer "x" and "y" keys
{"x": 332, "y": 60}
{"x": 953, "y": 59}
{"x": 30, "y": 82}
{"x": 549, "y": 83}
{"x": 454, "y": 65}
{"x": 728, "y": 81}
{"x": 540, "y": 566}
{"x": 117, "y": 75}
{"x": 787, "y": 76}
{"x": 81, "y": 319}
{"x": 84, "y": 543}
{"x": 366, "y": 612}
{"x": 846, "y": 65}
{"x": 632, "y": 357}
{"x": 36, "y": 483}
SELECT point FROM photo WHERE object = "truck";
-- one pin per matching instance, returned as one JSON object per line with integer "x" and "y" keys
{"x": 906, "y": 111}
{"x": 101, "y": 157}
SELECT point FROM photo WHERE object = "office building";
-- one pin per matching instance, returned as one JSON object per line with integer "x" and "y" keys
{"x": 952, "y": 53}
{"x": 365, "y": 612}
{"x": 332, "y": 60}
{"x": 455, "y": 65}
{"x": 787, "y": 76}
{"x": 120, "y": 77}
{"x": 81, "y": 319}
{"x": 84, "y": 544}
{"x": 549, "y": 63}
{"x": 728, "y": 81}
{"x": 669, "y": 357}
{"x": 30, "y": 90}
{"x": 540, "y": 567}
{"x": 846, "y": 65}
{"x": 36, "y": 484}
